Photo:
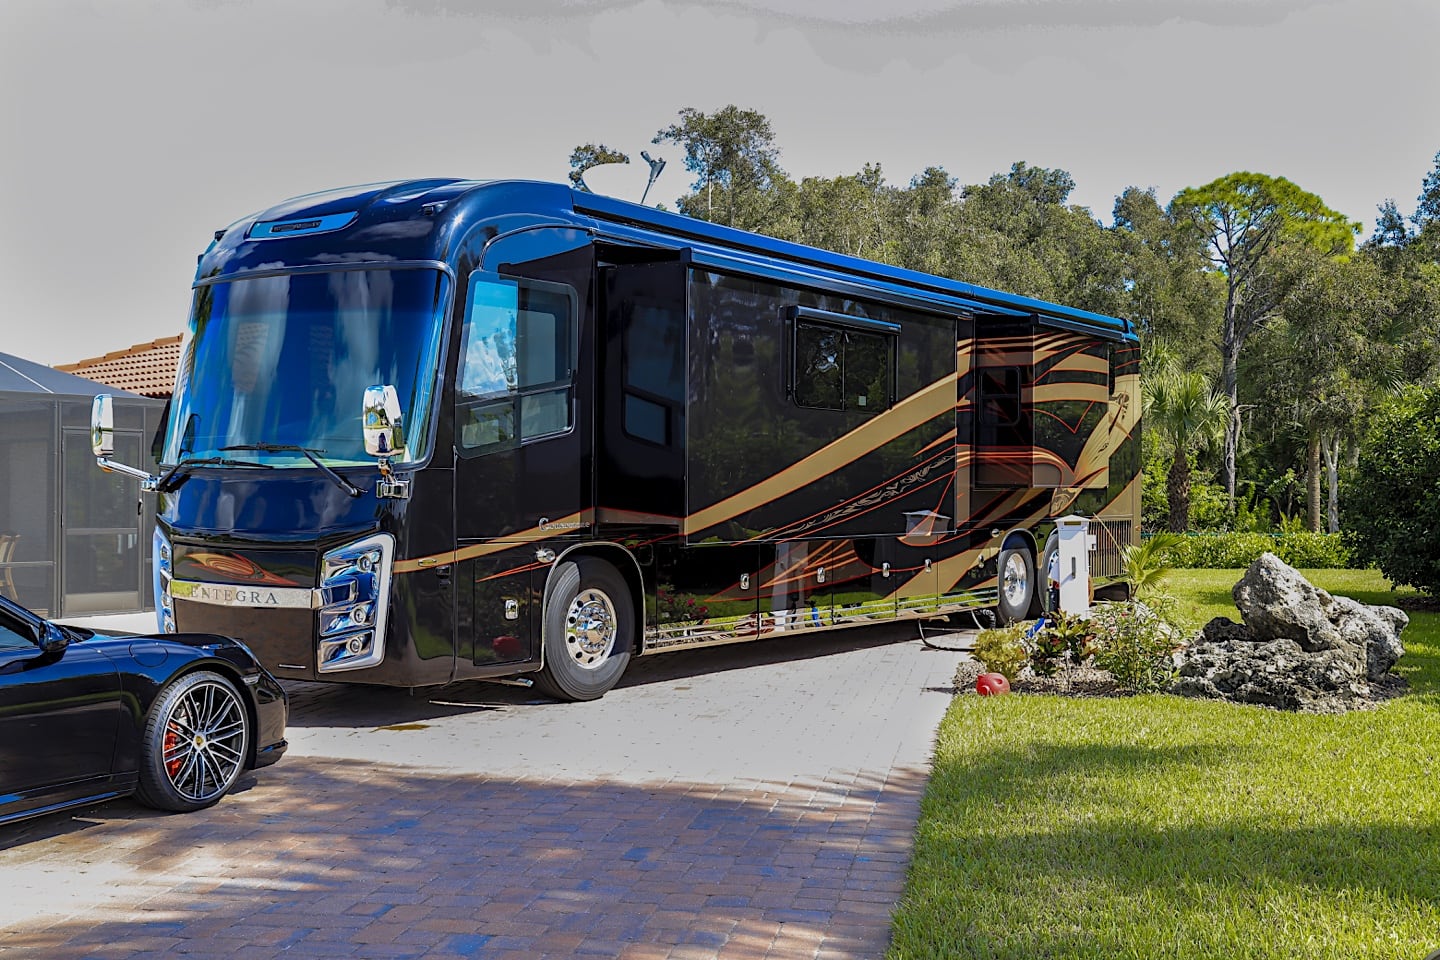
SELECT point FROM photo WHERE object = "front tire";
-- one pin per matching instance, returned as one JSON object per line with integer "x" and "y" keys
{"x": 1016, "y": 587}
{"x": 196, "y": 743}
{"x": 588, "y": 632}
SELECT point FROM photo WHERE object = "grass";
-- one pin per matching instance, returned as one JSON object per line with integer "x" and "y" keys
{"x": 1156, "y": 826}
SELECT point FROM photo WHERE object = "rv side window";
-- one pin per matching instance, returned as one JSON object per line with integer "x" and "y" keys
{"x": 999, "y": 396}
{"x": 654, "y": 342}
{"x": 516, "y": 363}
{"x": 842, "y": 369}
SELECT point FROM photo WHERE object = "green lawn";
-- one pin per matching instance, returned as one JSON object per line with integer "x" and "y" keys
{"x": 1157, "y": 827}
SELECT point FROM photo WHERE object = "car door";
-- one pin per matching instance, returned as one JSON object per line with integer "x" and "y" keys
{"x": 59, "y": 719}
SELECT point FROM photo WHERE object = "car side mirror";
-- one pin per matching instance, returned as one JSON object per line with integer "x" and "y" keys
{"x": 52, "y": 640}
{"x": 382, "y": 422}
{"x": 102, "y": 426}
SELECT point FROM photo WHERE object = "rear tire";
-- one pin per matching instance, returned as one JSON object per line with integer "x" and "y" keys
{"x": 1016, "y": 584}
{"x": 588, "y": 630}
{"x": 196, "y": 745}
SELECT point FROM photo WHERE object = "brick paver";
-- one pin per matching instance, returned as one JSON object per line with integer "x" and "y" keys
{"x": 748, "y": 802}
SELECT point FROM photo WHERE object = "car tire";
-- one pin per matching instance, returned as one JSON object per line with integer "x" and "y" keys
{"x": 196, "y": 743}
{"x": 588, "y": 630}
{"x": 1015, "y": 586}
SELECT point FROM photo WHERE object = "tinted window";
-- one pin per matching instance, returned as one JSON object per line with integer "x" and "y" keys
{"x": 654, "y": 371}
{"x": 516, "y": 363}
{"x": 12, "y": 637}
{"x": 842, "y": 369}
{"x": 999, "y": 396}
{"x": 286, "y": 360}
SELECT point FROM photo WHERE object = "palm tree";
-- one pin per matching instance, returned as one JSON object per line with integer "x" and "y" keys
{"x": 1187, "y": 414}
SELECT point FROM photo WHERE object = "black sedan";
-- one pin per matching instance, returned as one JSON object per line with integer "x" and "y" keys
{"x": 85, "y": 716}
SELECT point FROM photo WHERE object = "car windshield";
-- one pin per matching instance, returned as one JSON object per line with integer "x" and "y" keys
{"x": 283, "y": 361}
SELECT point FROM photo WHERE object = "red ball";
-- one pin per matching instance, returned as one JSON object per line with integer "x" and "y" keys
{"x": 991, "y": 683}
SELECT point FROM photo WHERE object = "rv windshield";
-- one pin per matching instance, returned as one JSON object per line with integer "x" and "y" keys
{"x": 285, "y": 360}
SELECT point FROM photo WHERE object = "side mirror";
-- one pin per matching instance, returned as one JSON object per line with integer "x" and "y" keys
{"x": 102, "y": 441}
{"x": 52, "y": 639}
{"x": 382, "y": 422}
{"x": 102, "y": 426}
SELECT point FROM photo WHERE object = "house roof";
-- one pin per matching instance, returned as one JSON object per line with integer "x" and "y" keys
{"x": 145, "y": 368}
{"x": 25, "y": 376}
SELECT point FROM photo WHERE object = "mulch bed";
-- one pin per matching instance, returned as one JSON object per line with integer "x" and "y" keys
{"x": 1087, "y": 681}
{"x": 1070, "y": 682}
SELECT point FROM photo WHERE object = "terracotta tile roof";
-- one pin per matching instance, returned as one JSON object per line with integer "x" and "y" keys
{"x": 146, "y": 368}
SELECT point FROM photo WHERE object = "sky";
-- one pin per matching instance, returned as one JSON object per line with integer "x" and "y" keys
{"x": 133, "y": 129}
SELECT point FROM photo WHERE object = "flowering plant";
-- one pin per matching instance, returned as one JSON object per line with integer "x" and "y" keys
{"x": 1136, "y": 645}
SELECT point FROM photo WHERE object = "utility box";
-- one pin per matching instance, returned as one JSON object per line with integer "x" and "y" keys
{"x": 1074, "y": 556}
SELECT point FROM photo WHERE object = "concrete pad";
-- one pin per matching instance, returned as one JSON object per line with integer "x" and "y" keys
{"x": 747, "y": 801}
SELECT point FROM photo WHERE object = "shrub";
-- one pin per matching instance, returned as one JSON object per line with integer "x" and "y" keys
{"x": 1314, "y": 551}
{"x": 1237, "y": 550}
{"x": 1221, "y": 550}
{"x": 1002, "y": 650}
{"x": 1060, "y": 637}
{"x": 1047, "y": 649}
{"x": 1392, "y": 510}
{"x": 1136, "y": 645}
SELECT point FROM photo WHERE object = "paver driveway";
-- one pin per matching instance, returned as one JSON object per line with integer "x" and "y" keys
{"x": 750, "y": 801}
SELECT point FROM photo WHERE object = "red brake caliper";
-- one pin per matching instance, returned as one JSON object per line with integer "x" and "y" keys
{"x": 172, "y": 742}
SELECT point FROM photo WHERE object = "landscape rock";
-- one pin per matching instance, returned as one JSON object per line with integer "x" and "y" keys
{"x": 1299, "y": 648}
{"x": 1278, "y": 673}
{"x": 1277, "y": 603}
{"x": 1376, "y": 630}
{"x": 1222, "y": 629}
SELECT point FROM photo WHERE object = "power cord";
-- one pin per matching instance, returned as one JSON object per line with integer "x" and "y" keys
{"x": 976, "y": 616}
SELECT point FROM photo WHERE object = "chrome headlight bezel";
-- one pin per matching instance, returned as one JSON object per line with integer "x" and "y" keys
{"x": 354, "y": 604}
{"x": 162, "y": 572}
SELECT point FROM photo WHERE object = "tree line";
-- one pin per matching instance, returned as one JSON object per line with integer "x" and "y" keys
{"x": 1272, "y": 334}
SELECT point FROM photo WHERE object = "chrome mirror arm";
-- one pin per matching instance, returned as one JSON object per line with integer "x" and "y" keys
{"x": 390, "y": 487}
{"x": 148, "y": 482}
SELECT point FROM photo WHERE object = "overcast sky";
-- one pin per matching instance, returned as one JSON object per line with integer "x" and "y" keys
{"x": 134, "y": 128}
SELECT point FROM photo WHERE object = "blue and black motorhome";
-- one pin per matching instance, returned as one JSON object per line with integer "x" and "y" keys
{"x": 616, "y": 431}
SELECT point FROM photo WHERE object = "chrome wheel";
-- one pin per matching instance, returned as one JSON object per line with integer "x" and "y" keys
{"x": 204, "y": 744}
{"x": 590, "y": 628}
{"x": 1015, "y": 581}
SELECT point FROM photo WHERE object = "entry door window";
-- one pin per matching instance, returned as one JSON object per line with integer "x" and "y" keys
{"x": 517, "y": 364}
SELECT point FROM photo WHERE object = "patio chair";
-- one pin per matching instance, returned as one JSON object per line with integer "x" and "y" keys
{"x": 7, "y": 553}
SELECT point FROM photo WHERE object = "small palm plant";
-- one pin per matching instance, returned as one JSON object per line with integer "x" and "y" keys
{"x": 1147, "y": 564}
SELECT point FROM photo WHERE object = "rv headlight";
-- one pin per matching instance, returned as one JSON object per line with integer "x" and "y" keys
{"x": 160, "y": 570}
{"x": 355, "y": 598}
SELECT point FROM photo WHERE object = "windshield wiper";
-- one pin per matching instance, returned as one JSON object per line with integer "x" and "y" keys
{"x": 340, "y": 481}
{"x": 164, "y": 484}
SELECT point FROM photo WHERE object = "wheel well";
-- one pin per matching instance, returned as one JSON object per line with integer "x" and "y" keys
{"x": 625, "y": 564}
{"x": 1020, "y": 538}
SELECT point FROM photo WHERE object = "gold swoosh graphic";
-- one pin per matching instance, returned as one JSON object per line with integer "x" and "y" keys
{"x": 529, "y": 535}
{"x": 929, "y": 402}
